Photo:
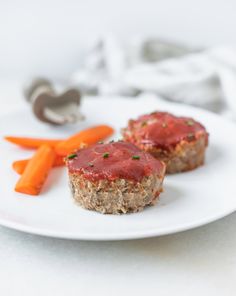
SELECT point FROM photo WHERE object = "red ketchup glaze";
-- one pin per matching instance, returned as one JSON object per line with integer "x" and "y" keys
{"x": 164, "y": 130}
{"x": 93, "y": 165}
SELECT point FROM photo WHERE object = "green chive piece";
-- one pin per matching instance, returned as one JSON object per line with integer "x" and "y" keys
{"x": 106, "y": 155}
{"x": 71, "y": 156}
{"x": 164, "y": 124}
{"x": 189, "y": 122}
{"x": 135, "y": 157}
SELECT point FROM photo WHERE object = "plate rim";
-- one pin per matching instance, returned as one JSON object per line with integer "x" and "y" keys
{"x": 117, "y": 237}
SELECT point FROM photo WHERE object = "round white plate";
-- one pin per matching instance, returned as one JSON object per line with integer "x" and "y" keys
{"x": 189, "y": 199}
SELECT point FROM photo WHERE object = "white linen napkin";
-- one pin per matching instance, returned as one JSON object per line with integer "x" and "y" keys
{"x": 202, "y": 77}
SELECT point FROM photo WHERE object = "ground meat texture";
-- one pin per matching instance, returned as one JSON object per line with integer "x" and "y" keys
{"x": 115, "y": 178}
{"x": 178, "y": 141}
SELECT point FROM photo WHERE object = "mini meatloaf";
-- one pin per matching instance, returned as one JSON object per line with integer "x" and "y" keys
{"x": 114, "y": 178}
{"x": 178, "y": 141}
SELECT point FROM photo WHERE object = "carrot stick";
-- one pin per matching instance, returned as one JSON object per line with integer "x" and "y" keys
{"x": 36, "y": 171}
{"x": 31, "y": 142}
{"x": 59, "y": 161}
{"x": 88, "y": 136}
{"x": 20, "y": 165}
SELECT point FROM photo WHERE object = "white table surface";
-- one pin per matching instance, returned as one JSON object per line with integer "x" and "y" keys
{"x": 195, "y": 262}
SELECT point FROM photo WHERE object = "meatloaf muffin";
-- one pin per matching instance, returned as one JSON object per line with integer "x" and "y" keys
{"x": 178, "y": 141}
{"x": 115, "y": 178}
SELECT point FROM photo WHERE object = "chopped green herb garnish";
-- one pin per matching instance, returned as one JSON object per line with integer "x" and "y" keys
{"x": 90, "y": 164}
{"x": 71, "y": 156}
{"x": 164, "y": 124}
{"x": 106, "y": 155}
{"x": 189, "y": 122}
{"x": 100, "y": 142}
{"x": 190, "y": 136}
{"x": 135, "y": 157}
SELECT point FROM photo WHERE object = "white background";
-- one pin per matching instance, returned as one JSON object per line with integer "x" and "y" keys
{"x": 47, "y": 37}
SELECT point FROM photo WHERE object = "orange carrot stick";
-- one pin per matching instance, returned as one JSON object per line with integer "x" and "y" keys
{"x": 32, "y": 142}
{"x": 59, "y": 161}
{"x": 88, "y": 136}
{"x": 20, "y": 165}
{"x": 36, "y": 171}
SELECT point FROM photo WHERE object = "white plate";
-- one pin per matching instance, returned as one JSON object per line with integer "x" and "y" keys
{"x": 189, "y": 200}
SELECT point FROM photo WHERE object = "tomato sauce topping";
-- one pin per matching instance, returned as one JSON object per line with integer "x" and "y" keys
{"x": 164, "y": 130}
{"x": 111, "y": 161}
